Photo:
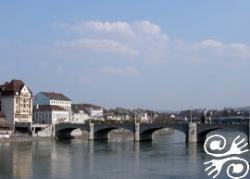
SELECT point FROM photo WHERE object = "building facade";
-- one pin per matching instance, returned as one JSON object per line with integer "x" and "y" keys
{"x": 16, "y": 103}
{"x": 54, "y": 99}
{"x": 49, "y": 114}
{"x": 117, "y": 117}
{"x": 79, "y": 114}
{"x": 94, "y": 112}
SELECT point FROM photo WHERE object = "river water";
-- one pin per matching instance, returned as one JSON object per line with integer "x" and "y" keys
{"x": 167, "y": 156}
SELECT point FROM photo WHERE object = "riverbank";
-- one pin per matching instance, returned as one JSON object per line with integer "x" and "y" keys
{"x": 23, "y": 138}
{"x": 121, "y": 134}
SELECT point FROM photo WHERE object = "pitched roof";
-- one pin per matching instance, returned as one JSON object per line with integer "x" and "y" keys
{"x": 10, "y": 88}
{"x": 56, "y": 96}
{"x": 48, "y": 108}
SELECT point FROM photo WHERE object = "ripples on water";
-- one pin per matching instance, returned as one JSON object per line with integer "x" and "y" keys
{"x": 166, "y": 157}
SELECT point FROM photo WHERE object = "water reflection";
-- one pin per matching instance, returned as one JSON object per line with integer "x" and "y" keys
{"x": 16, "y": 160}
{"x": 60, "y": 160}
{"x": 22, "y": 160}
{"x": 166, "y": 157}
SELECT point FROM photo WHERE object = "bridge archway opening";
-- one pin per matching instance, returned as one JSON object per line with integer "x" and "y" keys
{"x": 70, "y": 133}
{"x": 170, "y": 135}
{"x": 79, "y": 133}
{"x": 120, "y": 135}
{"x": 113, "y": 134}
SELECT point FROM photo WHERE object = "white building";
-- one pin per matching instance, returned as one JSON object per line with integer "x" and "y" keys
{"x": 16, "y": 103}
{"x": 117, "y": 117}
{"x": 94, "y": 112}
{"x": 49, "y": 114}
{"x": 54, "y": 99}
{"x": 144, "y": 117}
{"x": 79, "y": 115}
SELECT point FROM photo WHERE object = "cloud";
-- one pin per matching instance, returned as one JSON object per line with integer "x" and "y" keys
{"x": 144, "y": 41}
{"x": 210, "y": 50}
{"x": 119, "y": 27}
{"x": 116, "y": 27}
{"x": 146, "y": 27}
{"x": 238, "y": 50}
{"x": 96, "y": 46}
{"x": 218, "y": 48}
{"x": 120, "y": 71}
{"x": 140, "y": 39}
{"x": 209, "y": 43}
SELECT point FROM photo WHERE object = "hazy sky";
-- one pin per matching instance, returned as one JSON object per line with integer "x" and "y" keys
{"x": 163, "y": 54}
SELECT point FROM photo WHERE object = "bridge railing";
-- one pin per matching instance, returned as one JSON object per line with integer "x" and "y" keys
{"x": 218, "y": 121}
{"x": 228, "y": 121}
{"x": 105, "y": 122}
{"x": 141, "y": 122}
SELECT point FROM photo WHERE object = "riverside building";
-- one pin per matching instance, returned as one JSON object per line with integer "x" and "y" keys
{"x": 52, "y": 107}
{"x": 49, "y": 114}
{"x": 16, "y": 104}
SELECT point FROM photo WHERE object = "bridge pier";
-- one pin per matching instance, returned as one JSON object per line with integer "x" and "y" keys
{"x": 95, "y": 134}
{"x": 192, "y": 133}
{"x": 91, "y": 131}
{"x": 53, "y": 128}
{"x": 137, "y": 132}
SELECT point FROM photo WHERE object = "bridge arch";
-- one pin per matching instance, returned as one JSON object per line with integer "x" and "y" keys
{"x": 147, "y": 134}
{"x": 103, "y": 133}
{"x": 65, "y": 131}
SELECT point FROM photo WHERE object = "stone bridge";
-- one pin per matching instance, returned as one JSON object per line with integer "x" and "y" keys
{"x": 194, "y": 132}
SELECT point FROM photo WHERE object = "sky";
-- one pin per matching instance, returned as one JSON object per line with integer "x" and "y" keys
{"x": 162, "y": 55}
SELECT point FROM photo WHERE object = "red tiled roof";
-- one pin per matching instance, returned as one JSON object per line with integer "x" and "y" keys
{"x": 48, "y": 108}
{"x": 10, "y": 88}
{"x": 56, "y": 96}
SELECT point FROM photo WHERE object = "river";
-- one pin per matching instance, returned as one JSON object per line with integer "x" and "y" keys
{"x": 167, "y": 156}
